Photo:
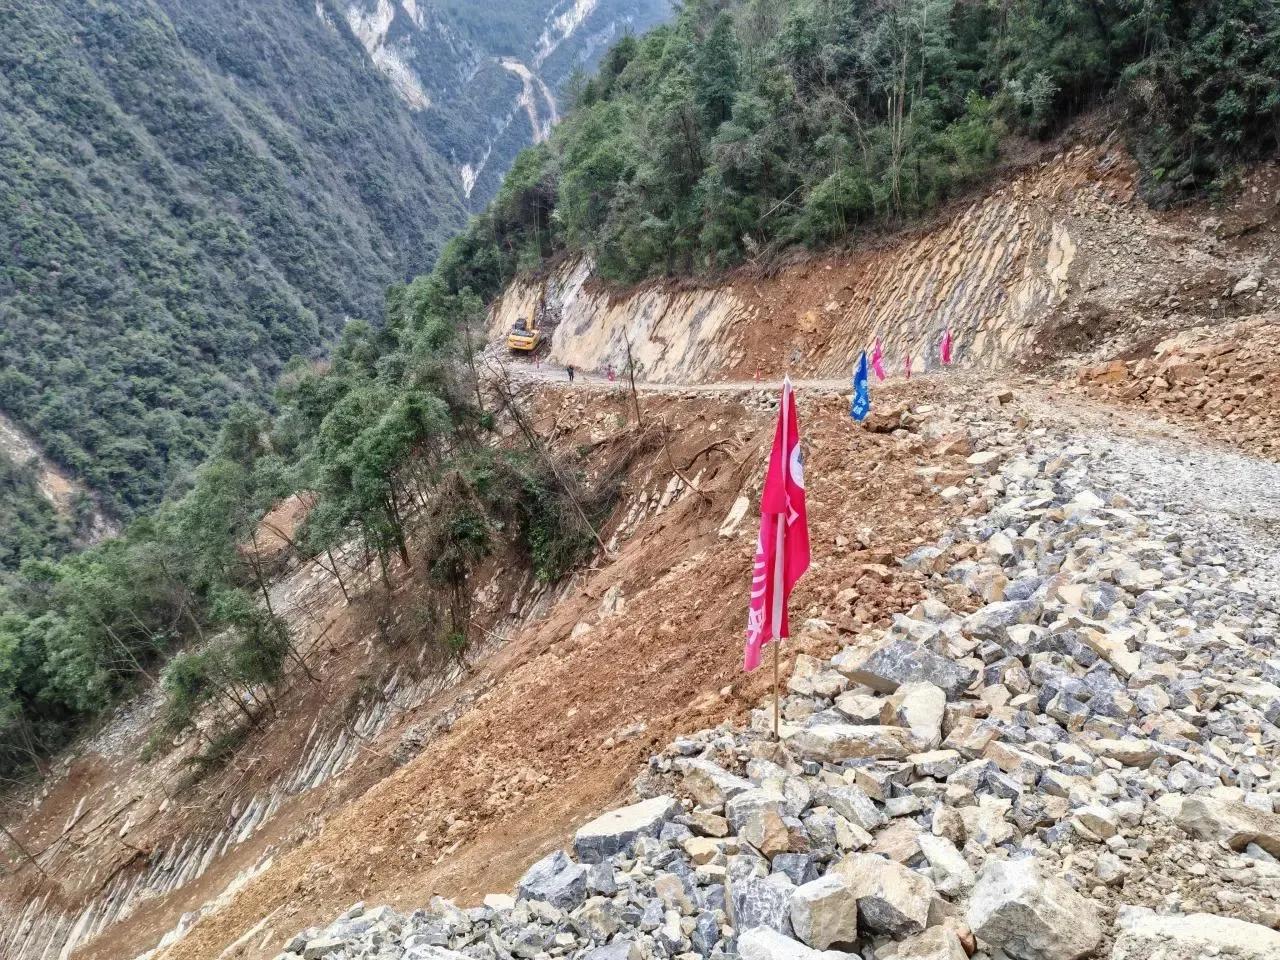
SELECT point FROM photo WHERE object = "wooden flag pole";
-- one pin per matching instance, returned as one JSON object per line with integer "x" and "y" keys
{"x": 776, "y": 643}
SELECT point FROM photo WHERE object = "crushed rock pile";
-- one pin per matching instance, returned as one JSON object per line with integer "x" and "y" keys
{"x": 1084, "y": 765}
{"x": 1224, "y": 378}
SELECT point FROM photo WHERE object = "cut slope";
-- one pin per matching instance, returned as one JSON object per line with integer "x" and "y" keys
{"x": 1012, "y": 274}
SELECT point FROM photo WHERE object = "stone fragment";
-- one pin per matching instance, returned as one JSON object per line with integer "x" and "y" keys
{"x": 1030, "y": 916}
{"x": 833, "y": 742}
{"x": 919, "y": 706}
{"x": 741, "y": 807}
{"x": 322, "y": 947}
{"x": 895, "y": 662}
{"x": 951, "y": 872}
{"x": 854, "y": 805}
{"x": 710, "y": 785}
{"x": 891, "y": 898}
{"x": 824, "y": 913}
{"x": 614, "y": 831}
{"x": 762, "y": 943}
{"x": 761, "y": 902}
{"x": 1129, "y": 751}
{"x": 1234, "y": 824}
{"x": 861, "y": 708}
{"x": 771, "y": 833}
{"x": 555, "y": 879}
{"x": 993, "y": 621}
{"x": 1146, "y": 935}
{"x": 936, "y": 943}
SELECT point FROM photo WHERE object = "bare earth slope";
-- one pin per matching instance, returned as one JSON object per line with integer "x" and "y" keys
{"x": 395, "y": 779}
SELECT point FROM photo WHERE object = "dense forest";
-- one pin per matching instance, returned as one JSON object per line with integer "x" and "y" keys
{"x": 31, "y": 525}
{"x": 746, "y": 126}
{"x": 743, "y": 126}
{"x": 190, "y": 194}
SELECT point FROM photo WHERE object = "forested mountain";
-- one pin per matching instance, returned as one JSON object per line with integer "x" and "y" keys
{"x": 191, "y": 192}
{"x": 485, "y": 78}
{"x": 748, "y": 125}
{"x": 742, "y": 126}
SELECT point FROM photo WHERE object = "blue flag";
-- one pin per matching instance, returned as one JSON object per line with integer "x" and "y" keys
{"x": 861, "y": 391}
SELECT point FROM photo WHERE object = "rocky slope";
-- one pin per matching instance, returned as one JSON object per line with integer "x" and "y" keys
{"x": 484, "y": 84}
{"x": 1083, "y": 765}
{"x": 1225, "y": 379}
{"x": 1062, "y": 258}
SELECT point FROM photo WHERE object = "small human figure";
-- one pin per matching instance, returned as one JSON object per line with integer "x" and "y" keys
{"x": 612, "y": 374}
{"x": 569, "y": 370}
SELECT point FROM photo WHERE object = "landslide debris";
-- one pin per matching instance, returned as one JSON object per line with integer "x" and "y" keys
{"x": 1224, "y": 380}
{"x": 1081, "y": 762}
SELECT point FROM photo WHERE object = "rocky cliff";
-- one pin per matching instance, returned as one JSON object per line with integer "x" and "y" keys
{"x": 485, "y": 84}
{"x": 1011, "y": 273}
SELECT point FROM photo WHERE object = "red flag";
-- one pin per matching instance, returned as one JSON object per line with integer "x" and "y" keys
{"x": 782, "y": 550}
{"x": 946, "y": 346}
{"x": 877, "y": 360}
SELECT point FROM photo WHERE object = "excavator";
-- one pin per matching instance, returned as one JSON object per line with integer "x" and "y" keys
{"x": 526, "y": 335}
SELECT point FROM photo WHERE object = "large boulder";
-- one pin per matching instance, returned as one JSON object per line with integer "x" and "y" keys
{"x": 833, "y": 742}
{"x": 1145, "y": 935}
{"x": 895, "y": 662}
{"x": 1230, "y": 822}
{"x": 615, "y": 831}
{"x": 761, "y": 943}
{"x": 1030, "y": 916}
{"x": 891, "y": 898}
{"x": 761, "y": 902}
{"x": 709, "y": 784}
{"x": 555, "y": 879}
{"x": 824, "y": 912}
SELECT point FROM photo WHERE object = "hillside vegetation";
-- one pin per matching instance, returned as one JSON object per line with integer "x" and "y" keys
{"x": 190, "y": 194}
{"x": 746, "y": 125}
{"x": 742, "y": 126}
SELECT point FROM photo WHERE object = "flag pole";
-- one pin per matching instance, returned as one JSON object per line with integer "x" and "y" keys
{"x": 775, "y": 690}
{"x": 778, "y": 556}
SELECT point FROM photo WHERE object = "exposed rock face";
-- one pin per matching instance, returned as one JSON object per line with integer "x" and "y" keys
{"x": 494, "y": 96}
{"x": 990, "y": 275}
{"x": 1032, "y": 917}
{"x": 1108, "y": 746}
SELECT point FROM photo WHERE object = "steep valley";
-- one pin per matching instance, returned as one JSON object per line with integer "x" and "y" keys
{"x": 193, "y": 194}
{"x": 396, "y": 776}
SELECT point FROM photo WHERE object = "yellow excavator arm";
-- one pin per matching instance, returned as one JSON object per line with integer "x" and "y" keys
{"x": 525, "y": 337}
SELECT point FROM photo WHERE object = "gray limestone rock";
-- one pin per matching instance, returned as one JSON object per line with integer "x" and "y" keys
{"x": 1030, "y": 916}
{"x": 895, "y": 662}
{"x": 616, "y": 830}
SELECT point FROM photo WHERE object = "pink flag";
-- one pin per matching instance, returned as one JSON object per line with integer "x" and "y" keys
{"x": 907, "y": 365}
{"x": 782, "y": 550}
{"x": 877, "y": 360}
{"x": 946, "y": 346}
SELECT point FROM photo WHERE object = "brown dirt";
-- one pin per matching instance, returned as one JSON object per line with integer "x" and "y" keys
{"x": 563, "y": 725}
{"x": 1222, "y": 380}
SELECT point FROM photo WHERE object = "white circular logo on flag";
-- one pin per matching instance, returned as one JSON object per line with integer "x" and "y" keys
{"x": 797, "y": 466}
